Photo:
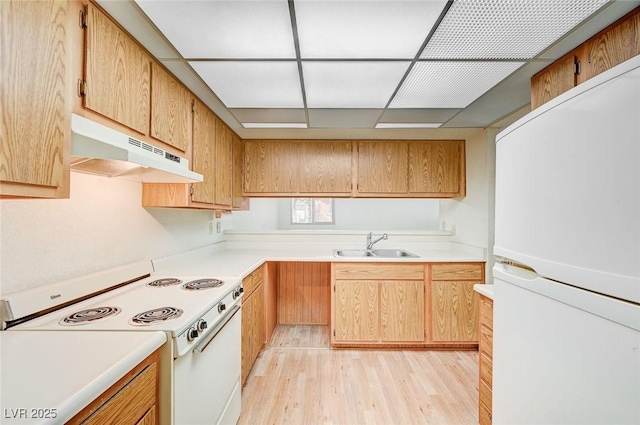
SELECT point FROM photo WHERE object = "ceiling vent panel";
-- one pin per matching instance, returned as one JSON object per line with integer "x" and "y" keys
{"x": 450, "y": 84}
{"x": 505, "y": 29}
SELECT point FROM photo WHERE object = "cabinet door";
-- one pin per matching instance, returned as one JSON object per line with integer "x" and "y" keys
{"x": 554, "y": 80}
{"x": 454, "y": 310}
{"x": 117, "y": 73}
{"x": 239, "y": 201}
{"x": 325, "y": 167}
{"x": 247, "y": 338}
{"x": 34, "y": 130}
{"x": 258, "y": 323}
{"x": 204, "y": 131}
{"x": 436, "y": 167}
{"x": 270, "y": 167}
{"x": 356, "y": 311}
{"x": 383, "y": 167}
{"x": 170, "y": 109}
{"x": 402, "y": 311}
{"x": 223, "y": 164}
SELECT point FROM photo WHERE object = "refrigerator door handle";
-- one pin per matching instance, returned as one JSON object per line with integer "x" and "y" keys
{"x": 519, "y": 275}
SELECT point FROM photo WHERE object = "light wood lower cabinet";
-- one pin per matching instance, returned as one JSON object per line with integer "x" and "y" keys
{"x": 130, "y": 401}
{"x": 485, "y": 360}
{"x": 253, "y": 320}
{"x": 454, "y": 303}
{"x": 373, "y": 304}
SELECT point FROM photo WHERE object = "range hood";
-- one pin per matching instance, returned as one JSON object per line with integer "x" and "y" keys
{"x": 97, "y": 149}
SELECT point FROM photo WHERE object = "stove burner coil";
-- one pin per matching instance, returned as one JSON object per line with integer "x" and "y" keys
{"x": 202, "y": 284}
{"x": 155, "y": 316}
{"x": 168, "y": 281}
{"x": 89, "y": 315}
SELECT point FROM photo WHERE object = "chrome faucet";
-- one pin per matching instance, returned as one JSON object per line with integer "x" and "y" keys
{"x": 370, "y": 244}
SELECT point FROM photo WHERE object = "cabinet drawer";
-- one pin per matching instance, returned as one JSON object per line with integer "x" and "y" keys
{"x": 486, "y": 312}
{"x": 486, "y": 340}
{"x": 457, "y": 271}
{"x": 485, "y": 415}
{"x": 485, "y": 393}
{"x": 252, "y": 281}
{"x": 131, "y": 403}
{"x": 486, "y": 368}
{"x": 378, "y": 271}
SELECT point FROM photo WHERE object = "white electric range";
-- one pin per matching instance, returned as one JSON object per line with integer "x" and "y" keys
{"x": 200, "y": 314}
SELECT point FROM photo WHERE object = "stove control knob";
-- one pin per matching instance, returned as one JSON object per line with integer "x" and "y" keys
{"x": 241, "y": 290}
{"x": 192, "y": 334}
{"x": 221, "y": 307}
{"x": 201, "y": 325}
{"x": 236, "y": 294}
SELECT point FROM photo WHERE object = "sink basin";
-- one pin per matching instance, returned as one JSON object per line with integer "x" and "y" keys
{"x": 382, "y": 253}
{"x": 393, "y": 253}
{"x": 352, "y": 253}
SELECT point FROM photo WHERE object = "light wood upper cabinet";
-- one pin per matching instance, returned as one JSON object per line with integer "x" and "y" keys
{"x": 204, "y": 135}
{"x": 270, "y": 167}
{"x": 437, "y": 167}
{"x": 554, "y": 80}
{"x": 325, "y": 167}
{"x": 117, "y": 75}
{"x": 170, "y": 109}
{"x": 34, "y": 93}
{"x": 223, "y": 164}
{"x": 383, "y": 167}
{"x": 239, "y": 201}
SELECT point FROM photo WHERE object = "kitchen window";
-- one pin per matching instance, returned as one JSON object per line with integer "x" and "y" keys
{"x": 312, "y": 211}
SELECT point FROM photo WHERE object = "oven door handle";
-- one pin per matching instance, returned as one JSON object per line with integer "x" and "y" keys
{"x": 215, "y": 331}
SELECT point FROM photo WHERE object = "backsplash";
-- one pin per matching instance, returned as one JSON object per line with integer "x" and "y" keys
{"x": 102, "y": 225}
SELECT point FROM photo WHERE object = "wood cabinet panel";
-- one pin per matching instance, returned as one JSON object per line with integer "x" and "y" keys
{"x": 204, "y": 131}
{"x": 390, "y": 271}
{"x": 402, "y": 311}
{"x": 118, "y": 73}
{"x": 486, "y": 368}
{"x": 223, "y": 164}
{"x": 554, "y": 80}
{"x": 614, "y": 45}
{"x": 486, "y": 340}
{"x": 356, "y": 311}
{"x": 383, "y": 167}
{"x": 170, "y": 109}
{"x": 149, "y": 418}
{"x": 486, "y": 312}
{"x": 270, "y": 167}
{"x": 239, "y": 202}
{"x": 325, "y": 167}
{"x": 457, "y": 271}
{"x": 253, "y": 321}
{"x": 485, "y": 360}
{"x": 34, "y": 78}
{"x": 485, "y": 417}
{"x": 437, "y": 167}
{"x": 304, "y": 293}
{"x": 246, "y": 360}
{"x": 454, "y": 311}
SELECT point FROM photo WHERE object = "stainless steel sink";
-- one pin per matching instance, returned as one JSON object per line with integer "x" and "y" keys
{"x": 393, "y": 253}
{"x": 382, "y": 253}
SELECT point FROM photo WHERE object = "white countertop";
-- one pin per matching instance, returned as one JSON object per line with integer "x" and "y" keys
{"x": 486, "y": 290}
{"x": 241, "y": 262}
{"x": 64, "y": 371}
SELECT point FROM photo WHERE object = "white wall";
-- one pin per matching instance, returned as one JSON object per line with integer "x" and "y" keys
{"x": 350, "y": 214}
{"x": 102, "y": 225}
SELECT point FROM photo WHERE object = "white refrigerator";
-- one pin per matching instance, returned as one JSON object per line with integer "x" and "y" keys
{"x": 567, "y": 243}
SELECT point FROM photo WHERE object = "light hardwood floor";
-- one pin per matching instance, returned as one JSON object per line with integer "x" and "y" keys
{"x": 300, "y": 380}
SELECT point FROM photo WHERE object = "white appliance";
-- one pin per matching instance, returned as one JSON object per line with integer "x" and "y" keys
{"x": 567, "y": 233}
{"x": 97, "y": 149}
{"x": 201, "y": 316}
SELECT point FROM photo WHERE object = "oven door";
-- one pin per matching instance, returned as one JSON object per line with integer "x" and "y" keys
{"x": 207, "y": 378}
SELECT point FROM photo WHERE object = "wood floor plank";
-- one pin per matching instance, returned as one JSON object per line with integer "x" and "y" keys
{"x": 300, "y": 380}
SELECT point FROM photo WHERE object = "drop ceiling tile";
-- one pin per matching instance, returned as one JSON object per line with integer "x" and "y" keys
{"x": 250, "y": 84}
{"x": 364, "y": 29}
{"x": 257, "y": 115}
{"x": 343, "y": 118}
{"x": 416, "y": 115}
{"x": 450, "y": 84}
{"x": 505, "y": 29}
{"x": 224, "y": 29}
{"x": 359, "y": 84}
